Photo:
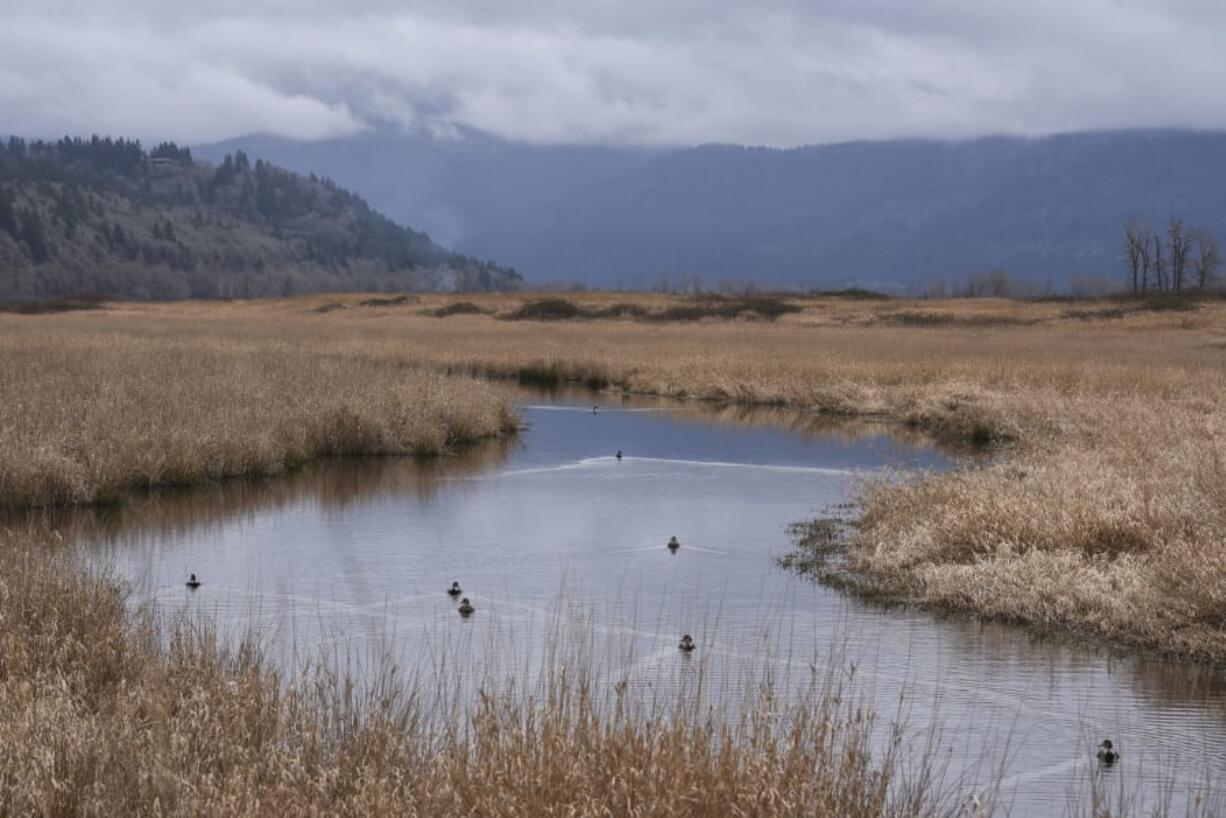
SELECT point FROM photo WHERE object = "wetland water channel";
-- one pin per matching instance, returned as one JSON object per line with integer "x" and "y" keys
{"x": 352, "y": 557}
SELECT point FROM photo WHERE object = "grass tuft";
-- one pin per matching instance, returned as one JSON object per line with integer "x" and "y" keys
{"x": 456, "y": 308}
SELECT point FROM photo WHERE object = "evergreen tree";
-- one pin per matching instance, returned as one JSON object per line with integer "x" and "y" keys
{"x": 225, "y": 172}
{"x": 8, "y": 214}
{"x": 169, "y": 150}
{"x": 34, "y": 236}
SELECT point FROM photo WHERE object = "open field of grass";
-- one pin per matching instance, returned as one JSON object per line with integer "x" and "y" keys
{"x": 1103, "y": 512}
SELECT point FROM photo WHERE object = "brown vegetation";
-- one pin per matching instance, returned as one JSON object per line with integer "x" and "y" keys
{"x": 88, "y": 416}
{"x": 44, "y": 306}
{"x": 694, "y": 308}
{"x": 456, "y": 308}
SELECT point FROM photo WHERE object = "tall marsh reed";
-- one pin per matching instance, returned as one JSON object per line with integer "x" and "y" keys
{"x": 88, "y": 417}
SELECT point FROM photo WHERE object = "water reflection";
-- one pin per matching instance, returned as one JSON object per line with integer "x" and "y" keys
{"x": 806, "y": 426}
{"x": 332, "y": 486}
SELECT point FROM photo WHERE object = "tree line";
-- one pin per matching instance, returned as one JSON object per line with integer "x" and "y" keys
{"x": 1173, "y": 260}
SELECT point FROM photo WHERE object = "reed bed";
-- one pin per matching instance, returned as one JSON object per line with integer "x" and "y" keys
{"x": 87, "y": 418}
{"x": 105, "y": 710}
{"x": 1117, "y": 531}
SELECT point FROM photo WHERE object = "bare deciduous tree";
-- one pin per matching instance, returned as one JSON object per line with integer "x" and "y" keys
{"x": 999, "y": 284}
{"x": 1146, "y": 238}
{"x": 1135, "y": 239}
{"x": 1206, "y": 258}
{"x": 1181, "y": 249}
{"x": 1159, "y": 262}
{"x": 996, "y": 284}
{"x": 1194, "y": 256}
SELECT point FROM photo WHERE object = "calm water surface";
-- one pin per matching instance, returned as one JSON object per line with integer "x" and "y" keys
{"x": 352, "y": 557}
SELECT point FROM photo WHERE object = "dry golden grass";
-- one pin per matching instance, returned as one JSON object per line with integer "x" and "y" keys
{"x": 89, "y": 416}
{"x": 105, "y": 712}
{"x": 1116, "y": 528}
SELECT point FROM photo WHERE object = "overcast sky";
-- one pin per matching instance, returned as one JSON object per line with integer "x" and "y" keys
{"x": 612, "y": 71}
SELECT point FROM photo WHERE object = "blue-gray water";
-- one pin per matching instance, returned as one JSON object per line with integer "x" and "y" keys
{"x": 352, "y": 557}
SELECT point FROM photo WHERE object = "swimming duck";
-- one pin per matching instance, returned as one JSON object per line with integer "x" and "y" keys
{"x": 1107, "y": 754}
{"x": 619, "y": 454}
{"x": 454, "y": 590}
{"x": 594, "y": 408}
{"x": 192, "y": 582}
{"x": 673, "y": 544}
{"x": 466, "y": 607}
{"x": 687, "y": 644}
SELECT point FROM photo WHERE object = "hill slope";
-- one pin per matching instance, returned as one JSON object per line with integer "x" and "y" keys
{"x": 103, "y": 216}
{"x": 898, "y": 214}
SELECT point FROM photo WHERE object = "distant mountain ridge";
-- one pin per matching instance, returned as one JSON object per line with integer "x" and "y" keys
{"x": 896, "y": 216}
{"x": 104, "y": 216}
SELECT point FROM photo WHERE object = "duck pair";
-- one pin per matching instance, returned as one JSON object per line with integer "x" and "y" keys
{"x": 466, "y": 607}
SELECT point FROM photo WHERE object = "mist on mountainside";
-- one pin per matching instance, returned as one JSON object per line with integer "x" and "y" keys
{"x": 897, "y": 216}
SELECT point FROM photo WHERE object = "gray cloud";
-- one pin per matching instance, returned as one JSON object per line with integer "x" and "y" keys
{"x": 778, "y": 73}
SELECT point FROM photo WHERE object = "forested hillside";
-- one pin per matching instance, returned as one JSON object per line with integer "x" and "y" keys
{"x": 104, "y": 216}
